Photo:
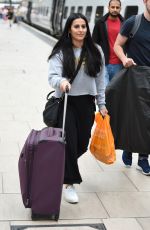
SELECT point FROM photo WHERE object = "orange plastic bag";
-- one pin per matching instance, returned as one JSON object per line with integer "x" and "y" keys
{"x": 102, "y": 141}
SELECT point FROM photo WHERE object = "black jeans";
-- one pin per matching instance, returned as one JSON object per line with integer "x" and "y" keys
{"x": 79, "y": 121}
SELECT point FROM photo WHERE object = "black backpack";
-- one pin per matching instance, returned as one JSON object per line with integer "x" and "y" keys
{"x": 136, "y": 25}
{"x": 133, "y": 31}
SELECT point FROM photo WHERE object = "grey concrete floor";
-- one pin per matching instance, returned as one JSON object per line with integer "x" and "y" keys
{"x": 110, "y": 194}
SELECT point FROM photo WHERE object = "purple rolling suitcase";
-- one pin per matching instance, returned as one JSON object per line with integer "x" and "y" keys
{"x": 41, "y": 171}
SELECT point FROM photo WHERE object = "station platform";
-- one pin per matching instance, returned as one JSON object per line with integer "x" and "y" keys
{"x": 112, "y": 195}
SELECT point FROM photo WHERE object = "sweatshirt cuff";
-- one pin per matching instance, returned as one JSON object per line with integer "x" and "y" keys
{"x": 101, "y": 106}
{"x": 63, "y": 79}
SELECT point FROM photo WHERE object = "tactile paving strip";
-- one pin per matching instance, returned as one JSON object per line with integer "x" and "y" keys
{"x": 99, "y": 226}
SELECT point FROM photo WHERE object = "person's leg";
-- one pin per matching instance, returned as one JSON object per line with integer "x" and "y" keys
{"x": 86, "y": 114}
{"x": 127, "y": 158}
{"x": 79, "y": 120}
{"x": 143, "y": 164}
{"x": 83, "y": 108}
{"x": 72, "y": 174}
{"x": 9, "y": 23}
{"x": 114, "y": 68}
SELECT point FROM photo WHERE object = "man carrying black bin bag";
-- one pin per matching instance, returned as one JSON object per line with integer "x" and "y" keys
{"x": 138, "y": 50}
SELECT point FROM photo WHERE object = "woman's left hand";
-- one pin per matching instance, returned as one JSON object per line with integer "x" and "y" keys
{"x": 103, "y": 111}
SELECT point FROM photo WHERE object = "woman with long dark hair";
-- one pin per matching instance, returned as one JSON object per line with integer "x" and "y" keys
{"x": 77, "y": 59}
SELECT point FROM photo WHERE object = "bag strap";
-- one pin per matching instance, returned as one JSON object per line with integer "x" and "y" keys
{"x": 77, "y": 69}
{"x": 136, "y": 25}
{"x": 47, "y": 97}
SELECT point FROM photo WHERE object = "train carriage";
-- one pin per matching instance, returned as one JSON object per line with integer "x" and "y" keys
{"x": 51, "y": 15}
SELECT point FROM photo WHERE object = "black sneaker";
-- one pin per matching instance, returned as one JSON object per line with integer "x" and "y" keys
{"x": 127, "y": 158}
{"x": 143, "y": 166}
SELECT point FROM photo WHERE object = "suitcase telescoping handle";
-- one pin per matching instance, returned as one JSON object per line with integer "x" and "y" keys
{"x": 64, "y": 113}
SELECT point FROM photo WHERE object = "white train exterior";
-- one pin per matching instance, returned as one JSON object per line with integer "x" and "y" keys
{"x": 51, "y": 15}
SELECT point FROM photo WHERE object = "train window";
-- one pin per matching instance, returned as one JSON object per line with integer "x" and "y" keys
{"x": 72, "y": 10}
{"x": 80, "y": 9}
{"x": 65, "y": 12}
{"x": 88, "y": 13}
{"x": 99, "y": 13}
{"x": 130, "y": 10}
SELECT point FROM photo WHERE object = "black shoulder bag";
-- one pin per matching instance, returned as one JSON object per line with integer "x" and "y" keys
{"x": 51, "y": 111}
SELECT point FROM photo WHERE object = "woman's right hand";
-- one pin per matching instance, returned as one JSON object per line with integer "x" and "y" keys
{"x": 65, "y": 85}
{"x": 103, "y": 111}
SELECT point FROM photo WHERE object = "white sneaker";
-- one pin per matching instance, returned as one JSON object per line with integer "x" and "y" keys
{"x": 70, "y": 194}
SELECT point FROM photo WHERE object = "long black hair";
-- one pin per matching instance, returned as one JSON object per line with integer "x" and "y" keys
{"x": 90, "y": 53}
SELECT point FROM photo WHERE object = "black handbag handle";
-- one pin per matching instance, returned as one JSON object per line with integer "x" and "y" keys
{"x": 47, "y": 97}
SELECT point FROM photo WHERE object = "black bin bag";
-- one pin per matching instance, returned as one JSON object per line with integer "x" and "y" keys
{"x": 128, "y": 104}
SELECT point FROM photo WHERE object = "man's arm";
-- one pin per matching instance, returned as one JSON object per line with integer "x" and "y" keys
{"x": 118, "y": 48}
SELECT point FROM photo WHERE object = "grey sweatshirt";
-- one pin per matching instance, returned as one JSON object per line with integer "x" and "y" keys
{"x": 82, "y": 84}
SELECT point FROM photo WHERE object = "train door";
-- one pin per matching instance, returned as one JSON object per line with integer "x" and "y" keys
{"x": 130, "y": 10}
{"x": 52, "y": 24}
{"x": 57, "y": 16}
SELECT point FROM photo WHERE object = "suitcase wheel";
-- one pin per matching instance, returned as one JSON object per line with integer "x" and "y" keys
{"x": 36, "y": 216}
{"x": 56, "y": 217}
